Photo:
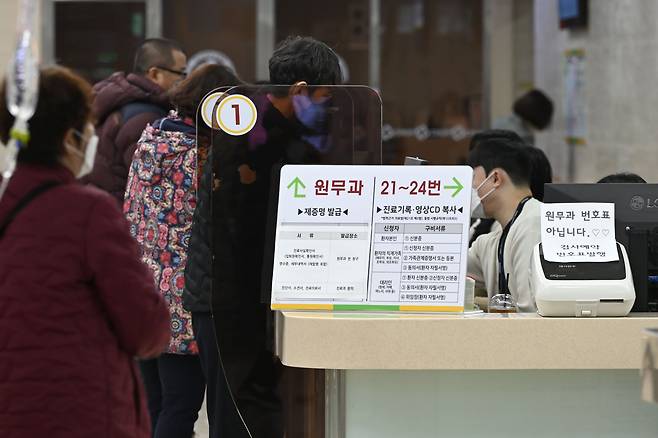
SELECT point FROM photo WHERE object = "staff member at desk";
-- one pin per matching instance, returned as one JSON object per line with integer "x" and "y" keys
{"x": 501, "y": 190}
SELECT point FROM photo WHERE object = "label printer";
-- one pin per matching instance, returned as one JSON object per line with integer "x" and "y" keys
{"x": 582, "y": 289}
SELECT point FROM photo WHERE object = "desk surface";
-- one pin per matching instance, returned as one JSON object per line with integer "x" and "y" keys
{"x": 455, "y": 342}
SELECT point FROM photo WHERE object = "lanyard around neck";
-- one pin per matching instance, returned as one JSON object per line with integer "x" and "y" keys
{"x": 503, "y": 286}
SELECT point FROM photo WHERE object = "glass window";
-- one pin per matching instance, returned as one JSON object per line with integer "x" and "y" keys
{"x": 98, "y": 38}
{"x": 225, "y": 26}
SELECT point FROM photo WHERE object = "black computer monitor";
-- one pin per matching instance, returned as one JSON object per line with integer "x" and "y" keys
{"x": 636, "y": 227}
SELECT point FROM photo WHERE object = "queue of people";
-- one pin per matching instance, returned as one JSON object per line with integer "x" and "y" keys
{"x": 124, "y": 280}
{"x": 107, "y": 312}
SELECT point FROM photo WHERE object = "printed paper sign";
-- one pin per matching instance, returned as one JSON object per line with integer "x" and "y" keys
{"x": 579, "y": 232}
{"x": 372, "y": 238}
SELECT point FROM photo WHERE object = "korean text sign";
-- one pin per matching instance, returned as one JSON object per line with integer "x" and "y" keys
{"x": 372, "y": 238}
{"x": 579, "y": 232}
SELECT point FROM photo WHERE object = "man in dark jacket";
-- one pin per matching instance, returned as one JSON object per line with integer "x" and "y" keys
{"x": 239, "y": 182}
{"x": 125, "y": 104}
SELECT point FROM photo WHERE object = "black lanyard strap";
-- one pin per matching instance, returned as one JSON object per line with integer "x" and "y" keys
{"x": 23, "y": 202}
{"x": 503, "y": 286}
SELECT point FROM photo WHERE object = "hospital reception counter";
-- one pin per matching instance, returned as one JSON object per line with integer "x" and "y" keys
{"x": 493, "y": 375}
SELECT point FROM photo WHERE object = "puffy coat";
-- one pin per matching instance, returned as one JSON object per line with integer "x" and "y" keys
{"x": 76, "y": 307}
{"x": 124, "y": 105}
{"x": 198, "y": 272}
{"x": 159, "y": 203}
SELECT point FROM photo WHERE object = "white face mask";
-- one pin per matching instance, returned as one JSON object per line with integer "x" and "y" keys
{"x": 477, "y": 210}
{"x": 89, "y": 156}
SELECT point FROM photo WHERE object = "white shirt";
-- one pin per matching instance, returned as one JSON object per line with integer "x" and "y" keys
{"x": 523, "y": 236}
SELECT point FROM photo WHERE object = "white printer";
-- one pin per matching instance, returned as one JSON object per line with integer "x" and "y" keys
{"x": 582, "y": 288}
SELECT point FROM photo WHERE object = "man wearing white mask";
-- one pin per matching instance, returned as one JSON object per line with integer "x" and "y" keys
{"x": 501, "y": 190}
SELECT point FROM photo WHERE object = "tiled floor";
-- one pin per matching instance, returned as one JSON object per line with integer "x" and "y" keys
{"x": 201, "y": 426}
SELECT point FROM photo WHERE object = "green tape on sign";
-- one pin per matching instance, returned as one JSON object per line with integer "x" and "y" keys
{"x": 368, "y": 307}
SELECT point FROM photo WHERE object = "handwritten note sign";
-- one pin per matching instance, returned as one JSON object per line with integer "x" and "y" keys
{"x": 383, "y": 238}
{"x": 579, "y": 232}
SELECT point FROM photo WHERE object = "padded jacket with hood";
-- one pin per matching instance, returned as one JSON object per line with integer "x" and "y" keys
{"x": 124, "y": 105}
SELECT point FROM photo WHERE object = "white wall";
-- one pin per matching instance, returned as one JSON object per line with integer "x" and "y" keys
{"x": 8, "y": 20}
{"x": 523, "y": 46}
{"x": 508, "y": 57}
{"x": 621, "y": 71}
{"x": 499, "y": 56}
{"x": 8, "y": 14}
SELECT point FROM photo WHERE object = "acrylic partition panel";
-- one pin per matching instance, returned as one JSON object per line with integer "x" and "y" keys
{"x": 250, "y": 133}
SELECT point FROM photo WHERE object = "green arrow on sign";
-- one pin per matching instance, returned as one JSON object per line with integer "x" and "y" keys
{"x": 297, "y": 183}
{"x": 457, "y": 188}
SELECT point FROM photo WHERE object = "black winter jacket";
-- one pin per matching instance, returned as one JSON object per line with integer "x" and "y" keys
{"x": 198, "y": 271}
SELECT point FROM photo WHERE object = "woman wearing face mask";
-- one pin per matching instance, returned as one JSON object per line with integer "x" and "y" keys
{"x": 76, "y": 304}
{"x": 159, "y": 204}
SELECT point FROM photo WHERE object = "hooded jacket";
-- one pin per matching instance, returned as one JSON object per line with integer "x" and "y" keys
{"x": 124, "y": 105}
{"x": 159, "y": 203}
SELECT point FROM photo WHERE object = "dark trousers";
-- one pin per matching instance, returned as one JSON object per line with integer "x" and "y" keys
{"x": 223, "y": 418}
{"x": 175, "y": 386}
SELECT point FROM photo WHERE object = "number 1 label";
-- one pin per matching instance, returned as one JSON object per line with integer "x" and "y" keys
{"x": 236, "y": 115}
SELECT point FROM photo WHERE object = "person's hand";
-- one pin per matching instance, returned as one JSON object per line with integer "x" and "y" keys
{"x": 247, "y": 175}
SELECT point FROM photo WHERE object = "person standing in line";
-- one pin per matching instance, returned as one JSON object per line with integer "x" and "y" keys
{"x": 160, "y": 199}
{"x": 532, "y": 112}
{"x": 235, "y": 233}
{"x": 125, "y": 103}
{"x": 77, "y": 305}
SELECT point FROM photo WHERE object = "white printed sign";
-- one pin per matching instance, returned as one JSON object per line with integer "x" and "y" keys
{"x": 579, "y": 232}
{"x": 372, "y": 238}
